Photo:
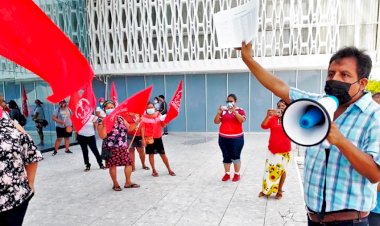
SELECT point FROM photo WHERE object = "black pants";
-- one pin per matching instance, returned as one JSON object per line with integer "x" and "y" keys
{"x": 91, "y": 142}
{"x": 15, "y": 216}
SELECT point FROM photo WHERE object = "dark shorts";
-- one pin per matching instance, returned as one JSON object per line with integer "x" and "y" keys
{"x": 156, "y": 148}
{"x": 231, "y": 148}
{"x": 61, "y": 132}
{"x": 137, "y": 142}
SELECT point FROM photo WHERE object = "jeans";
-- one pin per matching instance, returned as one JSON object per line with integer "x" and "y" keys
{"x": 362, "y": 222}
{"x": 231, "y": 149}
{"x": 91, "y": 142}
{"x": 374, "y": 219}
{"x": 15, "y": 216}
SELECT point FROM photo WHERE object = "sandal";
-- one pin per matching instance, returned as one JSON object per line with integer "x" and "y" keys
{"x": 261, "y": 194}
{"x": 146, "y": 168}
{"x": 155, "y": 174}
{"x": 171, "y": 173}
{"x": 116, "y": 188}
{"x": 132, "y": 186}
{"x": 278, "y": 195}
{"x": 87, "y": 168}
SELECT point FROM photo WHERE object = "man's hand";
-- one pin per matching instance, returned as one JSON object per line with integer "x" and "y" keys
{"x": 334, "y": 136}
{"x": 246, "y": 51}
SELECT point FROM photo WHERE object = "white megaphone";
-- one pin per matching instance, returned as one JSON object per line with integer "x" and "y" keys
{"x": 307, "y": 122}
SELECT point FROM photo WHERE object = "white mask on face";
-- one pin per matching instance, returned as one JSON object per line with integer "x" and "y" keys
{"x": 150, "y": 111}
{"x": 155, "y": 101}
{"x": 230, "y": 104}
{"x": 109, "y": 111}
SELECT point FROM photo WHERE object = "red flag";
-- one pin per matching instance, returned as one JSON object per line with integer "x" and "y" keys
{"x": 113, "y": 94}
{"x": 134, "y": 104}
{"x": 82, "y": 107}
{"x": 174, "y": 104}
{"x": 25, "y": 111}
{"x": 29, "y": 38}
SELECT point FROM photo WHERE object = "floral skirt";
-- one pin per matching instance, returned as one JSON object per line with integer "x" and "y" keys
{"x": 120, "y": 157}
{"x": 275, "y": 166}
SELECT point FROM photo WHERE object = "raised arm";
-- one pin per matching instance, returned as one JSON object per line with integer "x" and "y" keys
{"x": 267, "y": 79}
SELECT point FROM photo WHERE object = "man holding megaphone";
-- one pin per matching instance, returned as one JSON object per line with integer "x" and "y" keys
{"x": 339, "y": 178}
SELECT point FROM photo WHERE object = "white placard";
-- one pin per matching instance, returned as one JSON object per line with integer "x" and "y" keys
{"x": 236, "y": 25}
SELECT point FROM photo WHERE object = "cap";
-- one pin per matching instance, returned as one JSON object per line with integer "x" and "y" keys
{"x": 101, "y": 99}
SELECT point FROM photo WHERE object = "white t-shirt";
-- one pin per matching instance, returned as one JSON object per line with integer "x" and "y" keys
{"x": 88, "y": 128}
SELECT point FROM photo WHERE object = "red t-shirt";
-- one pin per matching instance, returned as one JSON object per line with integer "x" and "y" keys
{"x": 278, "y": 141}
{"x": 230, "y": 126}
{"x": 152, "y": 125}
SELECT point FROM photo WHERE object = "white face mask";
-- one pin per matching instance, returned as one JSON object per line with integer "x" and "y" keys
{"x": 155, "y": 101}
{"x": 150, "y": 111}
{"x": 109, "y": 111}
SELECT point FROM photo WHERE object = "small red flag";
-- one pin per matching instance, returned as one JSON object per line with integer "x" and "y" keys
{"x": 29, "y": 38}
{"x": 134, "y": 104}
{"x": 113, "y": 94}
{"x": 82, "y": 107}
{"x": 25, "y": 111}
{"x": 174, "y": 104}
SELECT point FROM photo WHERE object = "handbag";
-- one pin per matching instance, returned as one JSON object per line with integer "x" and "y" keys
{"x": 69, "y": 129}
{"x": 106, "y": 153}
{"x": 149, "y": 140}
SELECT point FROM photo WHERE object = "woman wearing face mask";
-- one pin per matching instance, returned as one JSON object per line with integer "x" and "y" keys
{"x": 278, "y": 156}
{"x": 157, "y": 103}
{"x": 116, "y": 141}
{"x": 231, "y": 136}
{"x": 152, "y": 125}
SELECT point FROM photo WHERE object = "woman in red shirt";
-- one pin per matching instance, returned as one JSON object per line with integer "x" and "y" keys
{"x": 231, "y": 136}
{"x": 152, "y": 124}
{"x": 278, "y": 156}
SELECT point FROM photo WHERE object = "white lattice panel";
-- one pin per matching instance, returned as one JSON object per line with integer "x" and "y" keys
{"x": 153, "y": 36}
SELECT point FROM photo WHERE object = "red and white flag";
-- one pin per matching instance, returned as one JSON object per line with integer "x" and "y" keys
{"x": 134, "y": 104}
{"x": 113, "y": 94}
{"x": 25, "y": 111}
{"x": 29, "y": 38}
{"x": 82, "y": 107}
{"x": 174, "y": 104}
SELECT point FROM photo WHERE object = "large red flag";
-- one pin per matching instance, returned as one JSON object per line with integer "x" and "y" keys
{"x": 29, "y": 38}
{"x": 82, "y": 107}
{"x": 113, "y": 94}
{"x": 134, "y": 104}
{"x": 174, "y": 104}
{"x": 25, "y": 111}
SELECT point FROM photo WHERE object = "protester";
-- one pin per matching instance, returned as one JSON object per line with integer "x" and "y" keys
{"x": 63, "y": 126}
{"x": 152, "y": 125}
{"x": 157, "y": 103}
{"x": 231, "y": 136}
{"x": 15, "y": 113}
{"x": 86, "y": 137}
{"x": 38, "y": 118}
{"x": 340, "y": 178}
{"x": 278, "y": 156}
{"x": 99, "y": 108}
{"x": 163, "y": 110}
{"x": 135, "y": 140}
{"x": 115, "y": 142}
{"x": 18, "y": 166}
{"x": 374, "y": 215}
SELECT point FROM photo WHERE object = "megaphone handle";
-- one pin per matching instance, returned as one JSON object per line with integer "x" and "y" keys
{"x": 326, "y": 143}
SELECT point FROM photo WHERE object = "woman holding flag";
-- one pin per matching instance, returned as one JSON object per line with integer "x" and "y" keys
{"x": 116, "y": 143}
{"x": 152, "y": 125}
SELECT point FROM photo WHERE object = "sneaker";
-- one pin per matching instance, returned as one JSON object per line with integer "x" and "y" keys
{"x": 54, "y": 153}
{"x": 68, "y": 151}
{"x": 226, "y": 177}
{"x": 87, "y": 168}
{"x": 236, "y": 177}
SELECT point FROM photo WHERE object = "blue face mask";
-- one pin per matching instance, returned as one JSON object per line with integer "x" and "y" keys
{"x": 109, "y": 111}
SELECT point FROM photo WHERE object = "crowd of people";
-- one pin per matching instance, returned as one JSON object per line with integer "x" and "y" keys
{"x": 340, "y": 177}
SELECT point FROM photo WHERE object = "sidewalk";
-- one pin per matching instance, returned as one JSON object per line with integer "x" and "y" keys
{"x": 196, "y": 196}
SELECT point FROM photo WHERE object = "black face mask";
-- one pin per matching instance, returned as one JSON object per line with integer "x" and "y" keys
{"x": 339, "y": 90}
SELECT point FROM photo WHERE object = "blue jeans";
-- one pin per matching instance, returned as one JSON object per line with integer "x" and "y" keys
{"x": 374, "y": 219}
{"x": 231, "y": 149}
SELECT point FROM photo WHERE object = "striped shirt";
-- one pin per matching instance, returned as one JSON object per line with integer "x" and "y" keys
{"x": 345, "y": 187}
